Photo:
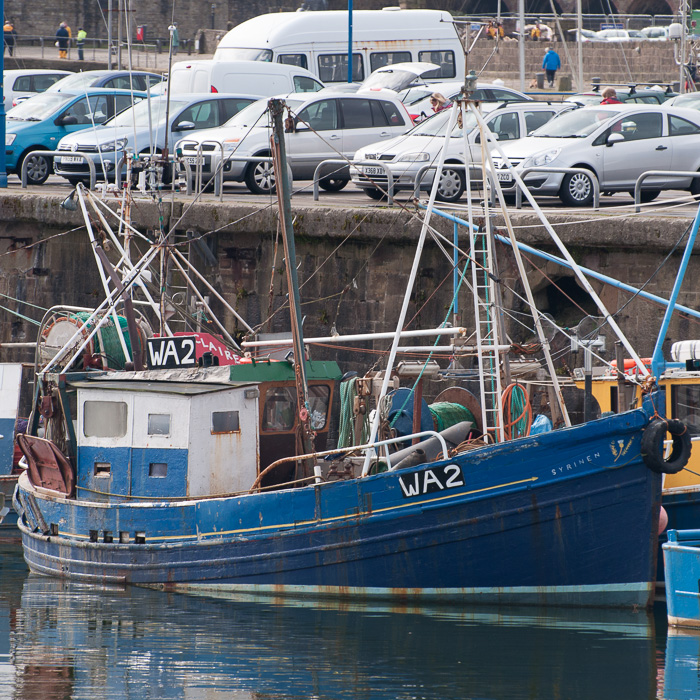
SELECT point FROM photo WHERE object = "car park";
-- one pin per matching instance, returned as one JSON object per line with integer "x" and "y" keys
{"x": 613, "y": 144}
{"x": 116, "y": 79}
{"x": 39, "y": 123}
{"x": 650, "y": 94}
{"x": 409, "y": 155}
{"x": 27, "y": 82}
{"x": 320, "y": 126}
{"x": 417, "y": 97}
{"x": 138, "y": 131}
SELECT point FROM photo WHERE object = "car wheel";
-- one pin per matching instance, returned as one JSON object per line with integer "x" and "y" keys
{"x": 332, "y": 184}
{"x": 695, "y": 187}
{"x": 374, "y": 193}
{"x": 38, "y": 168}
{"x": 577, "y": 189}
{"x": 451, "y": 186}
{"x": 260, "y": 178}
{"x": 646, "y": 196}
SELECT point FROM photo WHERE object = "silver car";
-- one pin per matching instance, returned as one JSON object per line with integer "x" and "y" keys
{"x": 136, "y": 131}
{"x": 615, "y": 144}
{"x": 324, "y": 125}
{"x": 413, "y": 154}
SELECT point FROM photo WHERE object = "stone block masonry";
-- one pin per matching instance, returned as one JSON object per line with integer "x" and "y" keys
{"x": 45, "y": 259}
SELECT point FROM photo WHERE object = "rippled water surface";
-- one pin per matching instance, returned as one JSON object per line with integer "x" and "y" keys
{"x": 62, "y": 641}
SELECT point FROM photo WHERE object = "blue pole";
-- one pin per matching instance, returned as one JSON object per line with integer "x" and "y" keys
{"x": 3, "y": 161}
{"x": 349, "y": 40}
{"x": 657, "y": 359}
{"x": 455, "y": 272}
{"x": 591, "y": 273}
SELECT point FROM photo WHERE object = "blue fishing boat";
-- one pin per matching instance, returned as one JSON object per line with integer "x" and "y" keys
{"x": 190, "y": 476}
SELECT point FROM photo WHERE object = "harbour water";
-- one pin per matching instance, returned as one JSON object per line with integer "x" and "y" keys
{"x": 62, "y": 641}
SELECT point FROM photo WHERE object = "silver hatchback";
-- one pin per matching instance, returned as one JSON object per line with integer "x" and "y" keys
{"x": 615, "y": 144}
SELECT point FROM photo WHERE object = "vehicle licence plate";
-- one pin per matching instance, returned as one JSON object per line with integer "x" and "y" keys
{"x": 372, "y": 170}
{"x": 504, "y": 177}
{"x": 192, "y": 160}
{"x": 71, "y": 159}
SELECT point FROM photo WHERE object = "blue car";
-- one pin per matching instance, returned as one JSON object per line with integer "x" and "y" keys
{"x": 38, "y": 124}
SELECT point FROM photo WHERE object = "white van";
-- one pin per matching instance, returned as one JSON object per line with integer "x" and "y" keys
{"x": 244, "y": 77}
{"x": 319, "y": 41}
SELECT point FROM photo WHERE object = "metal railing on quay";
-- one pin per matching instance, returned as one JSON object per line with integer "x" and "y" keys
{"x": 657, "y": 173}
{"x": 53, "y": 154}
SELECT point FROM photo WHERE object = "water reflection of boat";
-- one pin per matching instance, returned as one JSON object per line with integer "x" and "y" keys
{"x": 99, "y": 642}
{"x": 682, "y": 672}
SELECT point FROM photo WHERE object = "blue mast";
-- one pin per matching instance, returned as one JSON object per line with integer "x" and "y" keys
{"x": 3, "y": 167}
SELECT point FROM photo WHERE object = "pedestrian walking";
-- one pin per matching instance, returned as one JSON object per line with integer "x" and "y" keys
{"x": 9, "y": 35}
{"x": 80, "y": 43}
{"x": 62, "y": 39}
{"x": 551, "y": 63}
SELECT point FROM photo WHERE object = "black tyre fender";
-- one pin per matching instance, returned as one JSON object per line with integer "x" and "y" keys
{"x": 653, "y": 446}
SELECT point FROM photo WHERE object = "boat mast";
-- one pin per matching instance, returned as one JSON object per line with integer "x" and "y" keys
{"x": 284, "y": 196}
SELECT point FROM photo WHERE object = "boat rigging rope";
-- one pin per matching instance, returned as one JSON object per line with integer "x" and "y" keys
{"x": 516, "y": 402}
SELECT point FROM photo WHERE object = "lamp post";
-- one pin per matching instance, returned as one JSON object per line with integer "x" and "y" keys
{"x": 213, "y": 15}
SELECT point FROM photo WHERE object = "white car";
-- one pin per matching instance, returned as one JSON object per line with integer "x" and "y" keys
{"x": 655, "y": 33}
{"x": 614, "y": 35}
{"x": 417, "y": 98}
{"x": 27, "y": 82}
{"x": 690, "y": 100}
{"x": 408, "y": 155}
{"x": 615, "y": 144}
{"x": 587, "y": 35}
{"x": 323, "y": 126}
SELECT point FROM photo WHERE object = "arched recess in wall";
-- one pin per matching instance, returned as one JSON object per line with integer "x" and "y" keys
{"x": 564, "y": 299}
{"x": 541, "y": 7}
{"x": 649, "y": 7}
{"x": 488, "y": 8}
{"x": 599, "y": 7}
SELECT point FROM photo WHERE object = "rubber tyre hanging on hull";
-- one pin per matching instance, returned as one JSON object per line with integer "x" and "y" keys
{"x": 653, "y": 446}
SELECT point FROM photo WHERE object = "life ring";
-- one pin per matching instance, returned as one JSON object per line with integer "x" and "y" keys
{"x": 653, "y": 446}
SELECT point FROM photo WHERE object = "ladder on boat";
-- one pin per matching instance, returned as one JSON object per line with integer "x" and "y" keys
{"x": 487, "y": 337}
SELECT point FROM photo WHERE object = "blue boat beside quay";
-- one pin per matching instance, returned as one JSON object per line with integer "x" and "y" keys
{"x": 196, "y": 473}
{"x": 682, "y": 573}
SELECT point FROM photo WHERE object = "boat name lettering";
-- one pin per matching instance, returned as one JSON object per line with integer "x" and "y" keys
{"x": 165, "y": 353}
{"x": 580, "y": 462}
{"x": 430, "y": 480}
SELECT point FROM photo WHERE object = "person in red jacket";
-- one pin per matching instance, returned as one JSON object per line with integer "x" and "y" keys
{"x": 610, "y": 97}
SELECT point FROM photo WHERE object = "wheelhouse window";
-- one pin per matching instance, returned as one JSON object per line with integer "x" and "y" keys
{"x": 318, "y": 403}
{"x": 159, "y": 424}
{"x": 158, "y": 469}
{"x": 224, "y": 422}
{"x": 686, "y": 406}
{"x": 279, "y": 411}
{"x": 105, "y": 419}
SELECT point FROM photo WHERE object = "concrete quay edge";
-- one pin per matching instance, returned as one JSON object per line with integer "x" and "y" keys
{"x": 32, "y": 213}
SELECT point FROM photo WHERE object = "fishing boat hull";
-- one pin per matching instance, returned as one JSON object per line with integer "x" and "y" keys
{"x": 522, "y": 522}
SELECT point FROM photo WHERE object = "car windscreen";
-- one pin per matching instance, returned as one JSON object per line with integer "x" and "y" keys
{"x": 74, "y": 83}
{"x": 39, "y": 107}
{"x": 691, "y": 100}
{"x": 437, "y": 125}
{"x": 253, "y": 114}
{"x": 138, "y": 114}
{"x": 225, "y": 53}
{"x": 575, "y": 125}
{"x": 413, "y": 95}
